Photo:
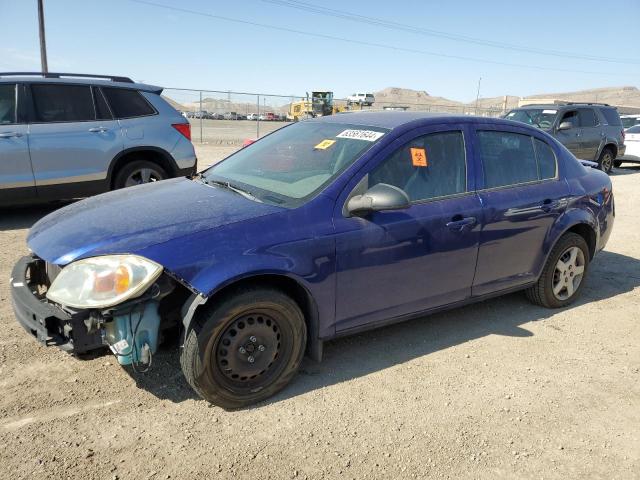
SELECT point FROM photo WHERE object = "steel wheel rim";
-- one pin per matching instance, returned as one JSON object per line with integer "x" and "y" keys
{"x": 250, "y": 350}
{"x": 568, "y": 273}
{"x": 142, "y": 175}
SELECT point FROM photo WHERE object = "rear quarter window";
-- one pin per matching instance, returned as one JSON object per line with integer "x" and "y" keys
{"x": 611, "y": 116}
{"x": 126, "y": 103}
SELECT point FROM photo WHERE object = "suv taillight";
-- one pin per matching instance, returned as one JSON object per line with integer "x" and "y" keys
{"x": 623, "y": 135}
{"x": 184, "y": 129}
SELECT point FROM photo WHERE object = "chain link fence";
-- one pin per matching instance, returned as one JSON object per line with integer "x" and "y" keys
{"x": 222, "y": 118}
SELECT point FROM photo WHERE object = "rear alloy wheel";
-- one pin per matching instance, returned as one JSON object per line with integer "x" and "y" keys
{"x": 139, "y": 172}
{"x": 244, "y": 348}
{"x": 563, "y": 274}
{"x": 605, "y": 162}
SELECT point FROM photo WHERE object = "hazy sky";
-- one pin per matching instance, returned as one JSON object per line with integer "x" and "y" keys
{"x": 175, "y": 48}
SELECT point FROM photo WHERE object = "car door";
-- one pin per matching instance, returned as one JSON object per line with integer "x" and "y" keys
{"x": 522, "y": 196}
{"x": 590, "y": 134}
{"x": 396, "y": 263}
{"x": 16, "y": 176}
{"x": 570, "y": 138}
{"x": 73, "y": 139}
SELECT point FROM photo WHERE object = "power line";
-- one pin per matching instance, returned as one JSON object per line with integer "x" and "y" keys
{"x": 369, "y": 44}
{"x": 354, "y": 17}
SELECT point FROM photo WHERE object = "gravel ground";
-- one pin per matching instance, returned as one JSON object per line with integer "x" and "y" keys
{"x": 500, "y": 389}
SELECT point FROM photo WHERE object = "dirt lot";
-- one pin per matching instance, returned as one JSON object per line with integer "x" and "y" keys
{"x": 501, "y": 389}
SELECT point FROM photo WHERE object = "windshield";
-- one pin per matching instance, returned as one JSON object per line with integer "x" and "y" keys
{"x": 629, "y": 121}
{"x": 292, "y": 164}
{"x": 538, "y": 117}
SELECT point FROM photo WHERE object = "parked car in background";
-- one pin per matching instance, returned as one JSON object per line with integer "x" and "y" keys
{"x": 65, "y": 136}
{"x": 629, "y": 121}
{"x": 361, "y": 98}
{"x": 272, "y": 117}
{"x": 252, "y": 116}
{"x": 632, "y": 142}
{"x": 590, "y": 131}
{"x": 322, "y": 228}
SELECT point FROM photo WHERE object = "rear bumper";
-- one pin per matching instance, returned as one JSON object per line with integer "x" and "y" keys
{"x": 48, "y": 323}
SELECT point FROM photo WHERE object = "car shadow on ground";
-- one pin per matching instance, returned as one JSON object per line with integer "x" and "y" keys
{"x": 626, "y": 169}
{"x": 356, "y": 356}
{"x": 19, "y": 218}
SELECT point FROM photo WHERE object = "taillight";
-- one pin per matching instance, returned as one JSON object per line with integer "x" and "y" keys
{"x": 184, "y": 129}
{"x": 623, "y": 135}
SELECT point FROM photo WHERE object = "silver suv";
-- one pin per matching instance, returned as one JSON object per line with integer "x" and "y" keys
{"x": 65, "y": 136}
{"x": 591, "y": 131}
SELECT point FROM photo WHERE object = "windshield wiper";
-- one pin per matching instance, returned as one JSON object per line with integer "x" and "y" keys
{"x": 245, "y": 193}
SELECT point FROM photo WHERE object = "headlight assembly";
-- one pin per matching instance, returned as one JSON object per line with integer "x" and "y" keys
{"x": 101, "y": 282}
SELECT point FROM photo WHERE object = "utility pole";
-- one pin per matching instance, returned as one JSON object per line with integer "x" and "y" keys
{"x": 43, "y": 42}
{"x": 478, "y": 94}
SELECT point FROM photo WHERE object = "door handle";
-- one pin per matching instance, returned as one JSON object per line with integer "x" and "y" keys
{"x": 10, "y": 135}
{"x": 98, "y": 129}
{"x": 549, "y": 205}
{"x": 458, "y": 224}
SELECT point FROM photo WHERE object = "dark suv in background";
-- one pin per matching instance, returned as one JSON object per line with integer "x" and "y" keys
{"x": 66, "y": 136}
{"x": 591, "y": 131}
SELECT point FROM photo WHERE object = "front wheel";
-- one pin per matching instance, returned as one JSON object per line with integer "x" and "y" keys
{"x": 605, "y": 162}
{"x": 244, "y": 348}
{"x": 563, "y": 275}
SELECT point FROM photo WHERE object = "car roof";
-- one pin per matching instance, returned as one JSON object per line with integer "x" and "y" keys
{"x": 394, "y": 119}
{"x": 83, "y": 81}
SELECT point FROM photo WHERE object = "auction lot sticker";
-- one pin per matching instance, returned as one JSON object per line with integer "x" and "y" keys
{"x": 368, "y": 135}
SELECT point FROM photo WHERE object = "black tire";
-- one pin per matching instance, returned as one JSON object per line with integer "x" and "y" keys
{"x": 617, "y": 163}
{"x": 213, "y": 360}
{"x": 130, "y": 169}
{"x": 606, "y": 159}
{"x": 542, "y": 292}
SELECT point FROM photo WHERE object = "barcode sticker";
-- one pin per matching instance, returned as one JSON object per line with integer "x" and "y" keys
{"x": 368, "y": 135}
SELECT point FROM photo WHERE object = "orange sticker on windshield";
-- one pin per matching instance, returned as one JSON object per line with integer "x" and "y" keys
{"x": 324, "y": 144}
{"x": 419, "y": 157}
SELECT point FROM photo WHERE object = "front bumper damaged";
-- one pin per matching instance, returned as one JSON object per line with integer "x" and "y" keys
{"x": 67, "y": 329}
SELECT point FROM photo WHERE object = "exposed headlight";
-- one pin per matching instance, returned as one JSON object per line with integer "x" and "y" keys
{"x": 102, "y": 282}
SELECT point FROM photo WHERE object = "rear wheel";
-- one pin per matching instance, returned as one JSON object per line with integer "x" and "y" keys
{"x": 563, "y": 275}
{"x": 245, "y": 348}
{"x": 139, "y": 172}
{"x": 605, "y": 162}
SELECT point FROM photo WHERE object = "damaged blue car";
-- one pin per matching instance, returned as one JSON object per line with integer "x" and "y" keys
{"x": 323, "y": 228}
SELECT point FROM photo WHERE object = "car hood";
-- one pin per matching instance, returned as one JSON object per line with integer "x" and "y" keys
{"x": 134, "y": 218}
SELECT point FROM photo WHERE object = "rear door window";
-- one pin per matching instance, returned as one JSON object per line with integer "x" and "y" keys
{"x": 611, "y": 116}
{"x": 102, "y": 109}
{"x": 62, "y": 103}
{"x": 587, "y": 117}
{"x": 547, "y": 164}
{"x": 507, "y": 158}
{"x": 427, "y": 167}
{"x": 127, "y": 103}
{"x": 8, "y": 104}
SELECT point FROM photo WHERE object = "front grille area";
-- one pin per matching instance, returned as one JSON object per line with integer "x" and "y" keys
{"x": 53, "y": 271}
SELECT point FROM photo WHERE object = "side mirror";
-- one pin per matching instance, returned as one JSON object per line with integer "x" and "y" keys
{"x": 378, "y": 198}
{"x": 566, "y": 125}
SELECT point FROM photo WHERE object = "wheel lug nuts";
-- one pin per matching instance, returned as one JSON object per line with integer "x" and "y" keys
{"x": 253, "y": 339}
{"x": 261, "y": 348}
{"x": 251, "y": 359}
{"x": 242, "y": 350}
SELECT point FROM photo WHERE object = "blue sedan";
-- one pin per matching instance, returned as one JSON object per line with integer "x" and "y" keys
{"x": 322, "y": 228}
